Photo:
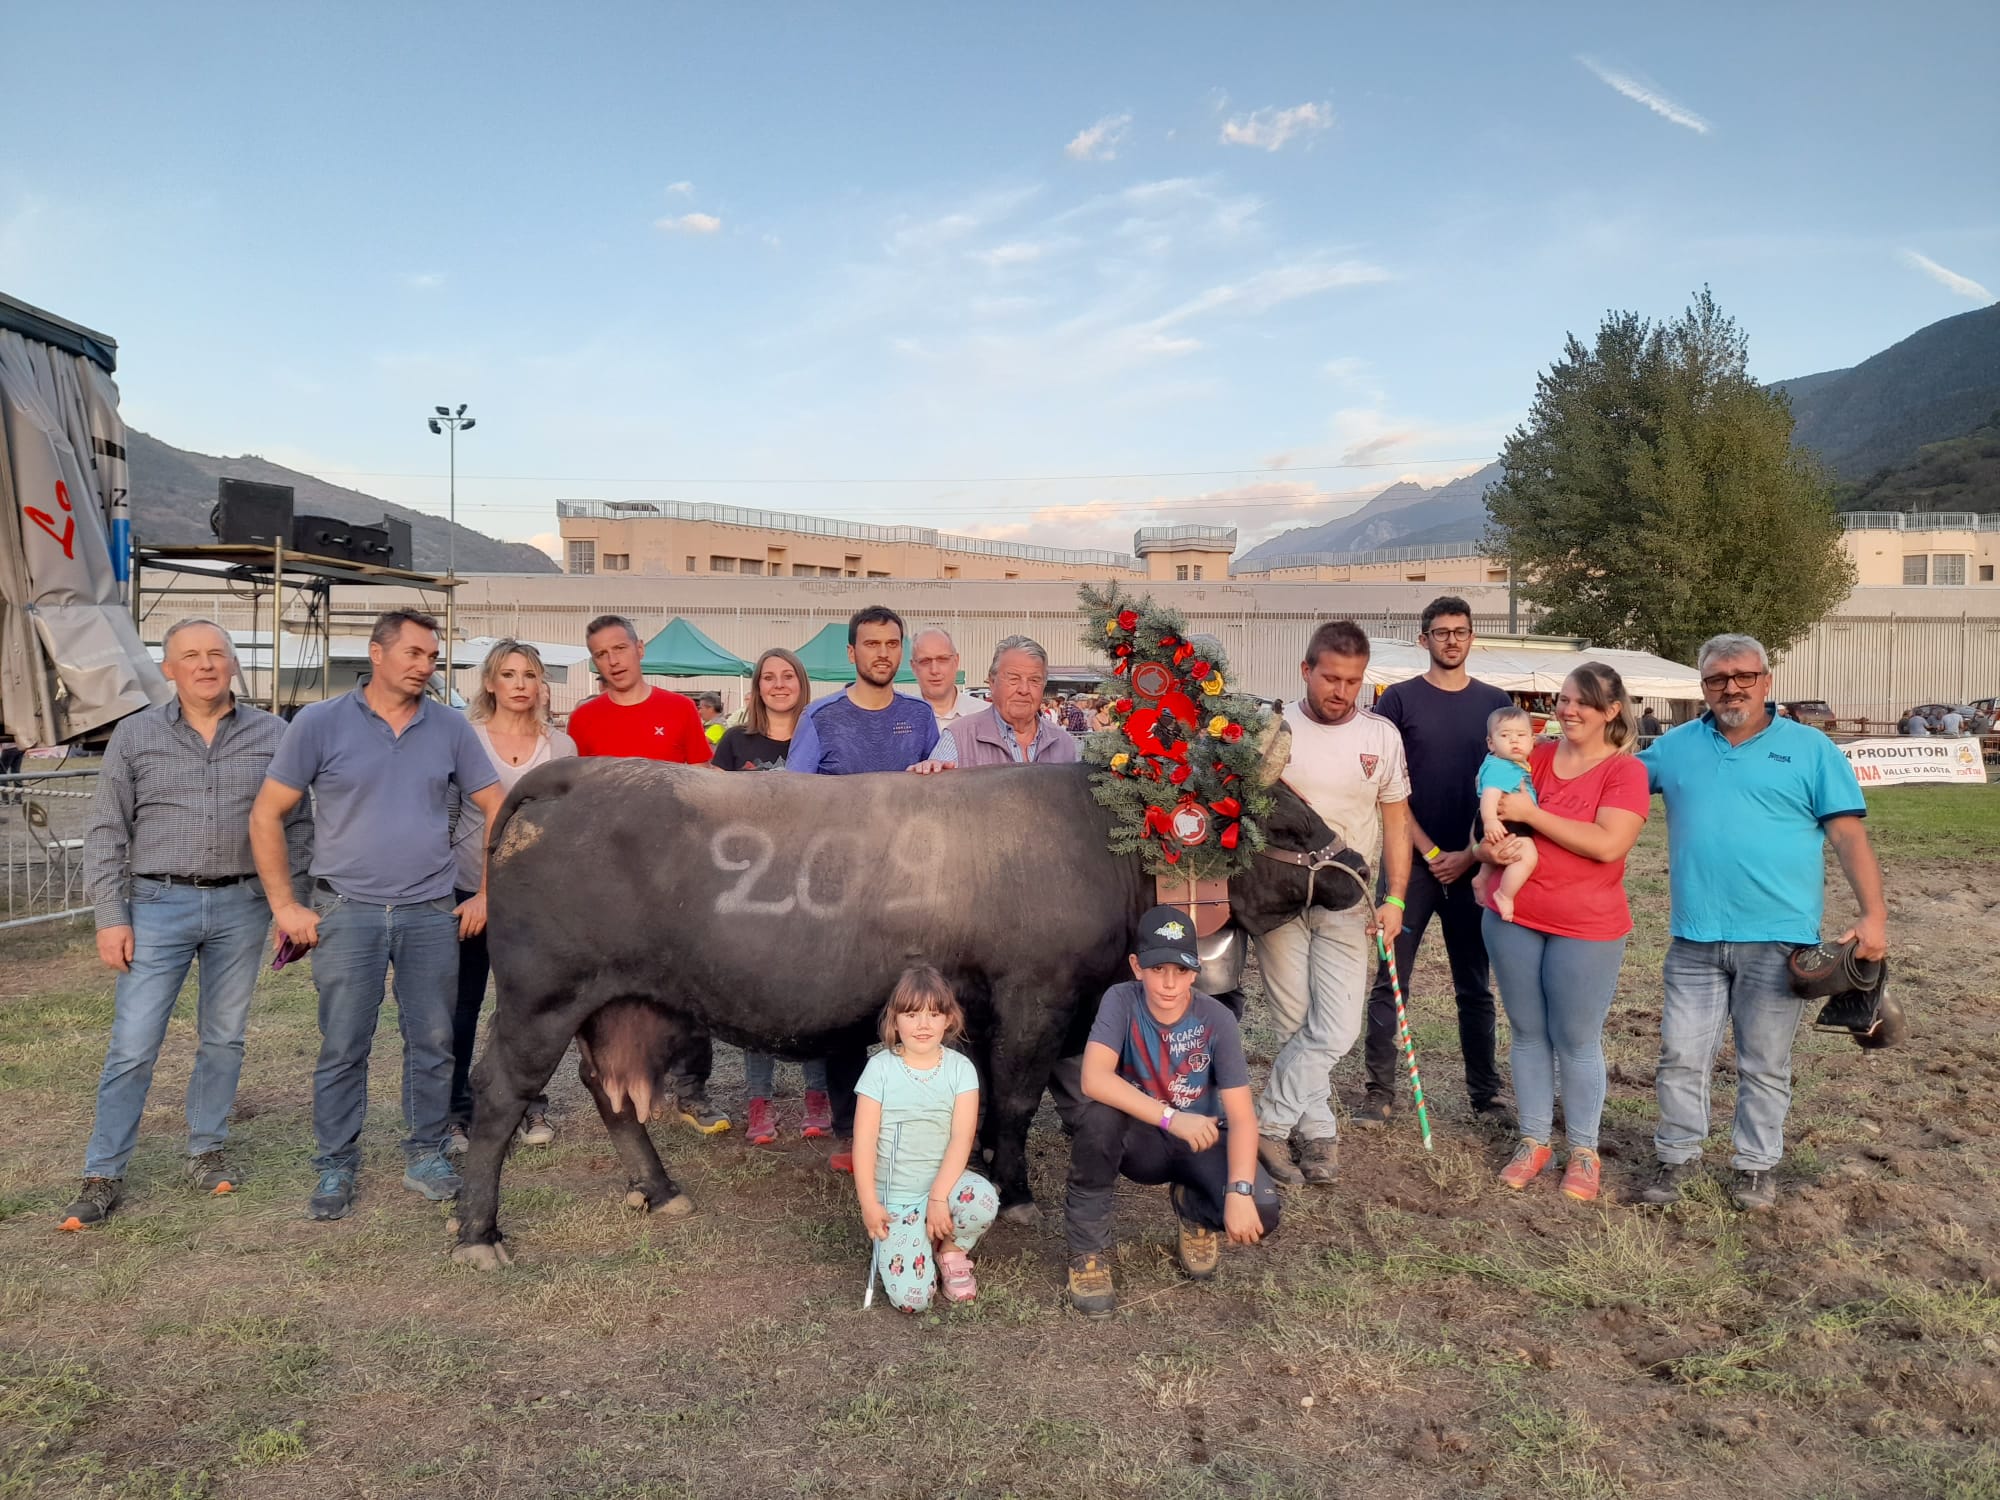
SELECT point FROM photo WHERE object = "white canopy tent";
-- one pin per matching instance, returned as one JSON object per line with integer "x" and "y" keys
{"x": 1536, "y": 669}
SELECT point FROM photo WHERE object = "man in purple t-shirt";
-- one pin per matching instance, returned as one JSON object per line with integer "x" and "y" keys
{"x": 1442, "y": 718}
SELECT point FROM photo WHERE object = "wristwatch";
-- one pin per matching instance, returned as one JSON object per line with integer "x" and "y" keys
{"x": 1247, "y": 1189}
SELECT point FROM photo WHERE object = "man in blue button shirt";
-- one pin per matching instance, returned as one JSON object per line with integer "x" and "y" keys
{"x": 380, "y": 762}
{"x": 1752, "y": 799}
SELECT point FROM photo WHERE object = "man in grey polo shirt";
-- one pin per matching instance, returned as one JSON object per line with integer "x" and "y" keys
{"x": 379, "y": 762}
{"x": 167, "y": 862}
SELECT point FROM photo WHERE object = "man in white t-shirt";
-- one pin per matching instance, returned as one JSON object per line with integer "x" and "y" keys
{"x": 934, "y": 660}
{"x": 1347, "y": 762}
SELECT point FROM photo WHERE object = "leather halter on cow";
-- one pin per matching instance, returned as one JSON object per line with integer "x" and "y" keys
{"x": 1326, "y": 857}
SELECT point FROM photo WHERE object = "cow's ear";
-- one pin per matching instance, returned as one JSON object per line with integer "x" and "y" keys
{"x": 1274, "y": 751}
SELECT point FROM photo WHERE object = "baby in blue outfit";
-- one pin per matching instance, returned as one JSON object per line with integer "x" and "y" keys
{"x": 1510, "y": 735}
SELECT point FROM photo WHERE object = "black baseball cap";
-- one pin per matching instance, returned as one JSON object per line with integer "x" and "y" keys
{"x": 1166, "y": 936}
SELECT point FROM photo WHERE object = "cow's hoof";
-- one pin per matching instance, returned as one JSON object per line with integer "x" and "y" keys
{"x": 482, "y": 1257}
{"x": 1024, "y": 1214}
{"x": 451, "y": 1226}
{"x": 637, "y": 1199}
{"x": 678, "y": 1207}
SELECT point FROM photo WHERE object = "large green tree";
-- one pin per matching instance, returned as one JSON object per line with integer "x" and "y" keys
{"x": 1653, "y": 497}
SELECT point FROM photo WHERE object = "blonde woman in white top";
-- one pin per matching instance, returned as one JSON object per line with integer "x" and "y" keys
{"x": 510, "y": 715}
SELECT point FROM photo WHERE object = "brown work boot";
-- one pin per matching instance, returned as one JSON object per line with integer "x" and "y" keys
{"x": 1274, "y": 1155}
{"x": 1319, "y": 1161}
{"x": 1374, "y": 1110}
{"x": 1200, "y": 1248}
{"x": 1090, "y": 1289}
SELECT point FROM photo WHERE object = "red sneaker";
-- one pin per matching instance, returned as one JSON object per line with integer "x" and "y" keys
{"x": 1529, "y": 1159}
{"x": 819, "y": 1115}
{"x": 1582, "y": 1177}
{"x": 762, "y": 1130}
{"x": 841, "y": 1161}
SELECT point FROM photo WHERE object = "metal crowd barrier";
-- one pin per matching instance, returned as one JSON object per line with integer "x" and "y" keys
{"x": 43, "y": 815}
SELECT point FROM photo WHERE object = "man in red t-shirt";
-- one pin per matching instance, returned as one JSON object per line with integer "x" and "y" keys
{"x": 632, "y": 718}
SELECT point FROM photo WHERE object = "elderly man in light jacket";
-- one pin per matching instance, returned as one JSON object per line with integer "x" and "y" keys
{"x": 1012, "y": 731}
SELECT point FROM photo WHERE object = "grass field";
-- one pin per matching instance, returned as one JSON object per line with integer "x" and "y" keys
{"x": 1410, "y": 1332}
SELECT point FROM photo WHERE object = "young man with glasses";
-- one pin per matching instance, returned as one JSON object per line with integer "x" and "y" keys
{"x": 1442, "y": 718}
{"x": 1752, "y": 800}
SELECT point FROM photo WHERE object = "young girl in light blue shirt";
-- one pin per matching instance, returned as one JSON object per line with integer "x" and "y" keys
{"x": 915, "y": 1112}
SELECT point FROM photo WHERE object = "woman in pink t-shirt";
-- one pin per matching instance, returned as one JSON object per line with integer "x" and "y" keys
{"x": 1557, "y": 962}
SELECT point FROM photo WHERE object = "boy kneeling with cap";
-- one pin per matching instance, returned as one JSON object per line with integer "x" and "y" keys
{"x": 1163, "y": 1074}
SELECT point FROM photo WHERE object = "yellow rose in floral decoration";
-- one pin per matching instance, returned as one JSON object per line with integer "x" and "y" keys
{"x": 1111, "y": 627}
{"x": 1216, "y": 725}
{"x": 1212, "y": 685}
{"x": 1120, "y": 761}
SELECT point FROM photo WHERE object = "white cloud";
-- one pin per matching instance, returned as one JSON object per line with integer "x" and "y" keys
{"x": 1014, "y": 253}
{"x": 916, "y": 237}
{"x": 1951, "y": 281}
{"x": 1652, "y": 98}
{"x": 1099, "y": 142}
{"x": 1280, "y": 284}
{"x": 691, "y": 223}
{"x": 683, "y": 187}
{"x": 423, "y": 281}
{"x": 1268, "y": 129}
{"x": 547, "y": 542}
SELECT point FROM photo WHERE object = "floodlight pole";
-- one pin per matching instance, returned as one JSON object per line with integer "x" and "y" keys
{"x": 449, "y": 421}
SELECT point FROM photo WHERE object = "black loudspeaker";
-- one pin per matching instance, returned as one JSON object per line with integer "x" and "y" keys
{"x": 399, "y": 543}
{"x": 250, "y": 513}
{"x": 326, "y": 536}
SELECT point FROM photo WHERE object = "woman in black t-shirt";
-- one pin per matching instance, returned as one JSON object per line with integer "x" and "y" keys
{"x": 778, "y": 696}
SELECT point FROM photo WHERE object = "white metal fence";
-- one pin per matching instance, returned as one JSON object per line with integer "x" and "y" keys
{"x": 43, "y": 815}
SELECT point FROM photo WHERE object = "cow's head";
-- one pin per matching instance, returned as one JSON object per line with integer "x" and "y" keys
{"x": 1276, "y": 888}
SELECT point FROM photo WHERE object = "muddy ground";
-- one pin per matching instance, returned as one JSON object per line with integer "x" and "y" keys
{"x": 1410, "y": 1332}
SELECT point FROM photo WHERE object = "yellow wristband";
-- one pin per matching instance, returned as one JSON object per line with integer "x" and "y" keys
{"x": 1430, "y": 853}
{"x": 1395, "y": 901}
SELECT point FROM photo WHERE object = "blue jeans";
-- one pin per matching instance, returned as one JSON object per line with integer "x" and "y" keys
{"x": 358, "y": 944}
{"x": 1557, "y": 992}
{"x": 172, "y": 927}
{"x": 759, "y": 1068}
{"x": 1712, "y": 987}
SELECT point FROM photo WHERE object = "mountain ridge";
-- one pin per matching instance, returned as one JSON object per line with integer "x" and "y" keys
{"x": 173, "y": 490}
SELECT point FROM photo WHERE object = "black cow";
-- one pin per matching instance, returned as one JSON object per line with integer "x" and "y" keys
{"x": 630, "y": 898}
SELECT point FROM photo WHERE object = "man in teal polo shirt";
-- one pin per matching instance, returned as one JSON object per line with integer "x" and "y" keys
{"x": 1752, "y": 799}
{"x": 380, "y": 762}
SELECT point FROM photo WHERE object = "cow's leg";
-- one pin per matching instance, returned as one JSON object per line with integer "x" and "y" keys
{"x": 1020, "y": 1055}
{"x": 648, "y": 1184}
{"x": 522, "y": 1054}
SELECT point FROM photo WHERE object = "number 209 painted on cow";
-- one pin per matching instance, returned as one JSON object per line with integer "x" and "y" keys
{"x": 916, "y": 859}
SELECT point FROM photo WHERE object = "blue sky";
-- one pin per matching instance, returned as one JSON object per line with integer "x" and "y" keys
{"x": 963, "y": 266}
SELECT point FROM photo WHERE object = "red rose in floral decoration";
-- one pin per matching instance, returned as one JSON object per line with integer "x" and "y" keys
{"x": 1233, "y": 734}
{"x": 1168, "y": 640}
{"x": 1128, "y": 619}
{"x": 1122, "y": 707}
{"x": 1198, "y": 669}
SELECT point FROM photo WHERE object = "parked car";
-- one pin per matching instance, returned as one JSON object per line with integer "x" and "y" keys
{"x": 1811, "y": 711}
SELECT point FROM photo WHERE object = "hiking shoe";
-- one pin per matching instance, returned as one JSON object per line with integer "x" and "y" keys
{"x": 535, "y": 1128}
{"x": 1530, "y": 1157}
{"x": 1668, "y": 1180}
{"x": 1754, "y": 1192}
{"x": 456, "y": 1141}
{"x": 1583, "y": 1175}
{"x": 1090, "y": 1289}
{"x": 843, "y": 1159}
{"x": 1494, "y": 1114}
{"x": 94, "y": 1204}
{"x": 210, "y": 1173}
{"x": 1274, "y": 1155}
{"x": 819, "y": 1115}
{"x": 334, "y": 1195}
{"x": 1319, "y": 1161}
{"x": 1200, "y": 1249}
{"x": 703, "y": 1116}
{"x": 1373, "y": 1112}
{"x": 433, "y": 1176}
{"x": 762, "y": 1130}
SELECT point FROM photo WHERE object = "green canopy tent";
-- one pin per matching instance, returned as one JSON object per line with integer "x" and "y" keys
{"x": 680, "y": 650}
{"x": 825, "y": 656}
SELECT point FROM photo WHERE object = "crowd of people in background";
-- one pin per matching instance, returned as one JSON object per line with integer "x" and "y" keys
{"x": 358, "y": 832}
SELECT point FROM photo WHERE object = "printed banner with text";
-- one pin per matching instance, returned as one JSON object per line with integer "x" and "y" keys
{"x": 1888, "y": 762}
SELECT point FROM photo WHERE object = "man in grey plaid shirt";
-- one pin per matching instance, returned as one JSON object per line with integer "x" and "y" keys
{"x": 168, "y": 865}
